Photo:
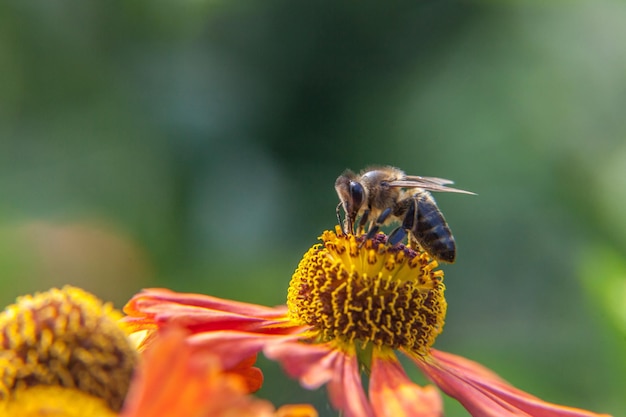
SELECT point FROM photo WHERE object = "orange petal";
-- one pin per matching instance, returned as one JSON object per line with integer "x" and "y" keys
{"x": 317, "y": 364}
{"x": 485, "y": 394}
{"x": 394, "y": 395}
{"x": 253, "y": 376}
{"x": 296, "y": 410}
{"x": 175, "y": 380}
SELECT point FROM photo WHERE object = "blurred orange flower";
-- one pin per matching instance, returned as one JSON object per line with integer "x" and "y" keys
{"x": 64, "y": 353}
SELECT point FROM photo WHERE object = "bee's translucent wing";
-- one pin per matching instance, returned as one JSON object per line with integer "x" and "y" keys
{"x": 434, "y": 180}
{"x": 427, "y": 183}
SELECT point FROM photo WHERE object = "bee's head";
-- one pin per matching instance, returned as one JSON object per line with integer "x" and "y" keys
{"x": 352, "y": 195}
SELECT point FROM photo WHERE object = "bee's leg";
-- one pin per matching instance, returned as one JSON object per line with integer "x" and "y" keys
{"x": 341, "y": 223}
{"x": 396, "y": 236}
{"x": 408, "y": 209}
{"x": 413, "y": 243}
{"x": 363, "y": 222}
{"x": 375, "y": 226}
{"x": 410, "y": 222}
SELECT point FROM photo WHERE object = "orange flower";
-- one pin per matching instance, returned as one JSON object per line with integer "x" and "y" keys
{"x": 352, "y": 305}
{"x": 64, "y": 353}
{"x": 177, "y": 379}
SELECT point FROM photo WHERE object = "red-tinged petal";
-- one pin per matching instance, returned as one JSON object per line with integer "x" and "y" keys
{"x": 315, "y": 365}
{"x": 483, "y": 393}
{"x": 232, "y": 347}
{"x": 394, "y": 395}
{"x": 312, "y": 365}
{"x": 197, "y": 313}
{"x": 173, "y": 380}
{"x": 246, "y": 363}
{"x": 346, "y": 391}
{"x": 159, "y": 295}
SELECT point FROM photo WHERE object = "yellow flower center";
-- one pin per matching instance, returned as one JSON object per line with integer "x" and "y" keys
{"x": 351, "y": 291}
{"x": 65, "y": 338}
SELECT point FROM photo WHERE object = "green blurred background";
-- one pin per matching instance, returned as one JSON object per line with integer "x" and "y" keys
{"x": 194, "y": 145}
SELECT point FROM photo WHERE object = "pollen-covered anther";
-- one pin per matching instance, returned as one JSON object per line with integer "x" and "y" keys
{"x": 66, "y": 338}
{"x": 369, "y": 292}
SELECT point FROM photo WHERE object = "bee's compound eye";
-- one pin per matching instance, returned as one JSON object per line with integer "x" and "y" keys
{"x": 356, "y": 194}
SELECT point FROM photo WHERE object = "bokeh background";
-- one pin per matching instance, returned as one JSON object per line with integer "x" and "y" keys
{"x": 194, "y": 145}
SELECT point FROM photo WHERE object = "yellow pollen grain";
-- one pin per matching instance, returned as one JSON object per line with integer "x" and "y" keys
{"x": 352, "y": 291}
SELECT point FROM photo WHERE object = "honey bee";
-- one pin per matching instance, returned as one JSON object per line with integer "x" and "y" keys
{"x": 382, "y": 195}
